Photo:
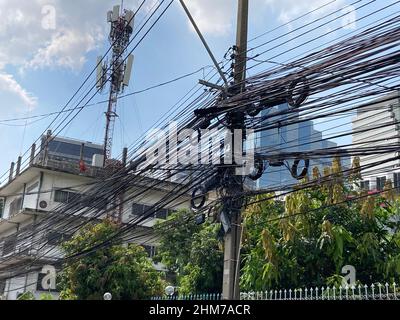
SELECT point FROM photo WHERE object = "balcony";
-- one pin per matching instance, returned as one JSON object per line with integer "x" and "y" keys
{"x": 70, "y": 166}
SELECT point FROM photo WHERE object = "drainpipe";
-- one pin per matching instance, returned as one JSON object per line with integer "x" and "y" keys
{"x": 23, "y": 197}
{"x": 39, "y": 190}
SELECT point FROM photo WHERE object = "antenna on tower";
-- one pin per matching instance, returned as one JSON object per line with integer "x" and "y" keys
{"x": 101, "y": 73}
{"x": 122, "y": 22}
{"x": 128, "y": 70}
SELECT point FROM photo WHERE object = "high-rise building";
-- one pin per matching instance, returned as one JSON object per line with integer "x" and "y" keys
{"x": 296, "y": 137}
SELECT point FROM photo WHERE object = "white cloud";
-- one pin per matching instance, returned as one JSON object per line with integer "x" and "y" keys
{"x": 8, "y": 84}
{"x": 47, "y": 34}
{"x": 349, "y": 20}
{"x": 214, "y": 17}
{"x": 218, "y": 17}
{"x": 287, "y": 10}
{"x": 28, "y": 37}
{"x": 67, "y": 49}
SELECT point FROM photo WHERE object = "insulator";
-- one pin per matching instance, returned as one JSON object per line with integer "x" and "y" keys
{"x": 258, "y": 169}
{"x": 253, "y": 111}
{"x": 302, "y": 95}
{"x": 303, "y": 173}
{"x": 198, "y": 193}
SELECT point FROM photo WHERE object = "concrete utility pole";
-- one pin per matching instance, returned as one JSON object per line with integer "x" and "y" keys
{"x": 230, "y": 289}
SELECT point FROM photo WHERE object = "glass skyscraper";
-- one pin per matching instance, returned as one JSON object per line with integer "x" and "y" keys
{"x": 296, "y": 137}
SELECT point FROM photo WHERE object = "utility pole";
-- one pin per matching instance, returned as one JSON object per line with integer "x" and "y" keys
{"x": 232, "y": 240}
{"x": 231, "y": 212}
{"x": 121, "y": 30}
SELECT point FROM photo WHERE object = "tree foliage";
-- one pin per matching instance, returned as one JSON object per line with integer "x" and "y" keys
{"x": 191, "y": 251}
{"x": 124, "y": 271}
{"x": 306, "y": 240}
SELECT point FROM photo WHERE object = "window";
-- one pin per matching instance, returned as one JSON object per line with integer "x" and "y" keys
{"x": 141, "y": 209}
{"x": 9, "y": 245}
{"x": 54, "y": 238}
{"x": 137, "y": 209}
{"x": 380, "y": 183}
{"x": 72, "y": 150}
{"x": 150, "y": 250}
{"x": 32, "y": 187}
{"x": 148, "y": 210}
{"x": 15, "y": 206}
{"x": 162, "y": 214}
{"x": 365, "y": 185}
{"x": 95, "y": 202}
{"x": 396, "y": 178}
{"x": 65, "y": 196}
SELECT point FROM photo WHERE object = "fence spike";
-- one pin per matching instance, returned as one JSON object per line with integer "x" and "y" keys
{"x": 366, "y": 291}
{"x": 276, "y": 294}
{"x": 284, "y": 294}
{"x": 394, "y": 290}
{"x": 359, "y": 291}
{"x": 346, "y": 288}
{"x": 387, "y": 290}
{"x": 316, "y": 293}
{"x": 352, "y": 290}
{"x": 373, "y": 291}
{"x": 290, "y": 294}
{"x": 311, "y": 293}
{"x": 380, "y": 290}
{"x": 334, "y": 292}
{"x": 328, "y": 289}
{"x": 280, "y": 294}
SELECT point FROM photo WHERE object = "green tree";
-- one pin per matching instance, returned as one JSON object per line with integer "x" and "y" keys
{"x": 28, "y": 295}
{"x": 191, "y": 251}
{"x": 306, "y": 240}
{"x": 124, "y": 271}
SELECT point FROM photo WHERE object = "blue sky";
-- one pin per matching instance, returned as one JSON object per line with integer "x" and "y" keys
{"x": 41, "y": 65}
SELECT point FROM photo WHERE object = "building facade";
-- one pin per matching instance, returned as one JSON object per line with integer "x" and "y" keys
{"x": 31, "y": 230}
{"x": 378, "y": 124}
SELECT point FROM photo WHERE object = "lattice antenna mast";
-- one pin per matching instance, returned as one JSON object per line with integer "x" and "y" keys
{"x": 120, "y": 69}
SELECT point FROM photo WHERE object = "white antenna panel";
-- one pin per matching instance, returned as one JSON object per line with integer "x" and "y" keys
{"x": 115, "y": 15}
{"x": 109, "y": 16}
{"x": 129, "y": 16}
{"x": 128, "y": 70}
{"x": 99, "y": 79}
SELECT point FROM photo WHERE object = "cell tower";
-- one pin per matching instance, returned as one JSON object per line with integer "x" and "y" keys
{"x": 120, "y": 68}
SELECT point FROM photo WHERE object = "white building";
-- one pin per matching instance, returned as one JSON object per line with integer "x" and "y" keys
{"x": 55, "y": 177}
{"x": 385, "y": 113}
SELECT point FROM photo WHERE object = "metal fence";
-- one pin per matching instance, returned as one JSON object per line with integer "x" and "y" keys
{"x": 216, "y": 296}
{"x": 376, "y": 291}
